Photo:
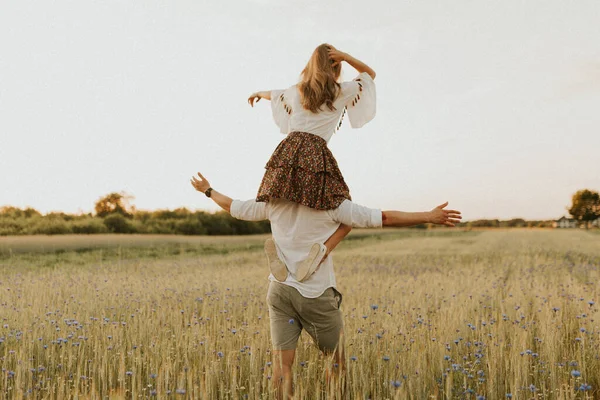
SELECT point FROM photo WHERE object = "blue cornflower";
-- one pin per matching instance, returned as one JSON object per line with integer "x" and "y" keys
{"x": 220, "y": 354}
{"x": 584, "y": 387}
{"x": 509, "y": 395}
{"x": 386, "y": 358}
{"x": 396, "y": 384}
{"x": 354, "y": 358}
{"x": 575, "y": 373}
{"x": 532, "y": 388}
{"x": 291, "y": 321}
{"x": 374, "y": 306}
{"x": 128, "y": 373}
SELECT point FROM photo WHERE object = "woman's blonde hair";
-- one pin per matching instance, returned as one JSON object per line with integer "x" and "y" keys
{"x": 318, "y": 84}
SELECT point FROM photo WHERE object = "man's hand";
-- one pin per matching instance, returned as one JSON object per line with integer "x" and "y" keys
{"x": 444, "y": 217}
{"x": 201, "y": 184}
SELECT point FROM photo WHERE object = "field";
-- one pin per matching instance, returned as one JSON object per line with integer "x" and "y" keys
{"x": 428, "y": 315}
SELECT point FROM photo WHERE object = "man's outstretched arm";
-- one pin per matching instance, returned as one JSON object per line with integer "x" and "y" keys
{"x": 358, "y": 216}
{"x": 202, "y": 185}
{"x": 437, "y": 216}
{"x": 248, "y": 210}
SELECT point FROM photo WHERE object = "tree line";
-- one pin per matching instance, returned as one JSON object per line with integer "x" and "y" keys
{"x": 114, "y": 214}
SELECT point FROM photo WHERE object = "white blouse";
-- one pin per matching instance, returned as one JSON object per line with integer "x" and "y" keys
{"x": 357, "y": 97}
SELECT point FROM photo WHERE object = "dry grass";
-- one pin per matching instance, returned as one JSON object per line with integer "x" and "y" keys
{"x": 427, "y": 315}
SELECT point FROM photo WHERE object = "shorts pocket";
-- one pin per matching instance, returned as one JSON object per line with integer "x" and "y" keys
{"x": 338, "y": 297}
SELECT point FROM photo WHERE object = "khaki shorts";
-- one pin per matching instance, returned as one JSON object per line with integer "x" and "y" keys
{"x": 290, "y": 312}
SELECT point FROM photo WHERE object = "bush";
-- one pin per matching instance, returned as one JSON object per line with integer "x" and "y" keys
{"x": 117, "y": 223}
{"x": 89, "y": 226}
{"x": 190, "y": 226}
{"x": 10, "y": 226}
{"x": 51, "y": 226}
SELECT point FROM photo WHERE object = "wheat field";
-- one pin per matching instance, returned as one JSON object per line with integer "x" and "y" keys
{"x": 428, "y": 315}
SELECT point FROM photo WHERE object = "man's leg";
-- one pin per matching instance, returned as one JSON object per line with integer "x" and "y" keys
{"x": 282, "y": 373}
{"x": 322, "y": 319}
{"x": 285, "y": 331}
{"x": 336, "y": 374}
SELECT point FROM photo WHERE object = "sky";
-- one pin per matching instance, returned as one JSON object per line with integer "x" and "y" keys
{"x": 490, "y": 105}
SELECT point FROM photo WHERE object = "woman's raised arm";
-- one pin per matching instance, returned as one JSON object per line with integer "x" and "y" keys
{"x": 339, "y": 56}
{"x": 259, "y": 95}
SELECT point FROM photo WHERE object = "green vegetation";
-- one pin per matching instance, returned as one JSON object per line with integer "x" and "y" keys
{"x": 15, "y": 221}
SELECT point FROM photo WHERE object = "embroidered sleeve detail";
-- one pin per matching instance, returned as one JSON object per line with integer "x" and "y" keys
{"x": 339, "y": 125}
{"x": 281, "y": 110}
{"x": 361, "y": 106}
{"x": 357, "y": 97}
{"x": 287, "y": 108}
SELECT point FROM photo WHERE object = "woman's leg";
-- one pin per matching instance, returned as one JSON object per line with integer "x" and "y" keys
{"x": 319, "y": 252}
{"x": 335, "y": 239}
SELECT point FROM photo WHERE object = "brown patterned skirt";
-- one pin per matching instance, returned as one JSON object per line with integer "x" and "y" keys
{"x": 302, "y": 169}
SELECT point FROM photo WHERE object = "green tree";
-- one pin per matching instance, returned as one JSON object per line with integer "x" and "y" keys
{"x": 114, "y": 203}
{"x": 585, "y": 206}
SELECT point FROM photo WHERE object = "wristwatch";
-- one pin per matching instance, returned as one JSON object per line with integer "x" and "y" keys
{"x": 208, "y": 192}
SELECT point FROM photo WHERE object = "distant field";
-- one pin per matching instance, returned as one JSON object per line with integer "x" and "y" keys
{"x": 428, "y": 314}
{"x": 81, "y": 249}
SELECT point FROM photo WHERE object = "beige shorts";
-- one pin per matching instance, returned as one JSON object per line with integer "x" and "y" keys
{"x": 290, "y": 312}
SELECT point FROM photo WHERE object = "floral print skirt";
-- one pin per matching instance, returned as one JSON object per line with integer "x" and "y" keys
{"x": 302, "y": 169}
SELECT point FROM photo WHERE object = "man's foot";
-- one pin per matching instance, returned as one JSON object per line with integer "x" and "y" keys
{"x": 277, "y": 267}
{"x": 311, "y": 263}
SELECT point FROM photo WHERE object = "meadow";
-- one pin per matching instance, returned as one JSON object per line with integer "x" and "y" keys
{"x": 429, "y": 314}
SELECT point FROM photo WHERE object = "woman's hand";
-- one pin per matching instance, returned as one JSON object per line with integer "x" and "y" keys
{"x": 201, "y": 184}
{"x": 254, "y": 96}
{"x": 257, "y": 96}
{"x": 444, "y": 217}
{"x": 336, "y": 56}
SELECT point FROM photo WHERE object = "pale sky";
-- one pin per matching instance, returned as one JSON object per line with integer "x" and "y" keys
{"x": 491, "y": 105}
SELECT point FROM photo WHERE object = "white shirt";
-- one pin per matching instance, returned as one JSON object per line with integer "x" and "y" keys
{"x": 357, "y": 97}
{"x": 296, "y": 228}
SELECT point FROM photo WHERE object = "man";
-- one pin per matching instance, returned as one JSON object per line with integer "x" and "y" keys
{"x": 312, "y": 304}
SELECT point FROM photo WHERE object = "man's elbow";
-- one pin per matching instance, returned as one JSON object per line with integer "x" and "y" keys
{"x": 385, "y": 219}
{"x": 345, "y": 228}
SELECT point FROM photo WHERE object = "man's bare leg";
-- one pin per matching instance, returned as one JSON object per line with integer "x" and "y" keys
{"x": 336, "y": 374}
{"x": 282, "y": 373}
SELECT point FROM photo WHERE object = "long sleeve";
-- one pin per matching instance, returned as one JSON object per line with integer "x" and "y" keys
{"x": 360, "y": 99}
{"x": 249, "y": 210}
{"x": 281, "y": 110}
{"x": 357, "y": 216}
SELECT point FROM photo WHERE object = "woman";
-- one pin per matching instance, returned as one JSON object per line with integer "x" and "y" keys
{"x": 302, "y": 169}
